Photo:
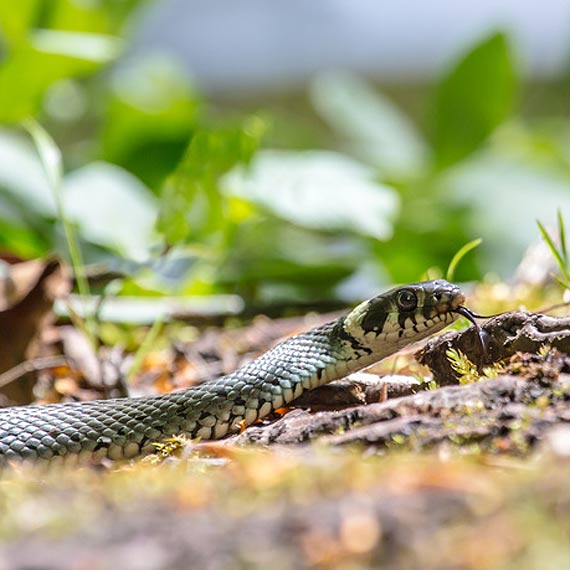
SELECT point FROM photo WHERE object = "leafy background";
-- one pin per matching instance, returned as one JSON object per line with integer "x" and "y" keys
{"x": 330, "y": 195}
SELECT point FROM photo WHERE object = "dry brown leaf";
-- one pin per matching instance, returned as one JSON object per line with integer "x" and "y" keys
{"x": 27, "y": 292}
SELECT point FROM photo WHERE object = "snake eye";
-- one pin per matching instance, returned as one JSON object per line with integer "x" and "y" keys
{"x": 407, "y": 300}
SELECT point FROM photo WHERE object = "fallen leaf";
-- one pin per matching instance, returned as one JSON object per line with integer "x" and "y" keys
{"x": 27, "y": 293}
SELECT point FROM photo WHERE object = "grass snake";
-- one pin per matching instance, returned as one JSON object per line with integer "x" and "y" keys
{"x": 85, "y": 432}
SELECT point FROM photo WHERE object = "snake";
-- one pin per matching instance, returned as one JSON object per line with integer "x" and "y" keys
{"x": 78, "y": 433}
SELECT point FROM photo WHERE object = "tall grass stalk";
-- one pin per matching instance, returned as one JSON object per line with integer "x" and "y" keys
{"x": 146, "y": 346}
{"x": 459, "y": 256}
{"x": 50, "y": 157}
{"x": 560, "y": 252}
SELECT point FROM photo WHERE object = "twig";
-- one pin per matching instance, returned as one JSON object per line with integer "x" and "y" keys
{"x": 553, "y": 307}
{"x": 33, "y": 365}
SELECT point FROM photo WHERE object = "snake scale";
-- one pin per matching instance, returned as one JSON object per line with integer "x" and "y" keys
{"x": 85, "y": 432}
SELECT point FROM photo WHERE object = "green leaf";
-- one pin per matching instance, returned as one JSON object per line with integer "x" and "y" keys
{"x": 95, "y": 16}
{"x": 22, "y": 176}
{"x": 50, "y": 56}
{"x": 192, "y": 207}
{"x": 376, "y": 130}
{"x": 96, "y": 48}
{"x": 472, "y": 100}
{"x": 15, "y": 22}
{"x": 265, "y": 250}
{"x": 318, "y": 190}
{"x": 111, "y": 208}
{"x": 150, "y": 116}
{"x": 21, "y": 240}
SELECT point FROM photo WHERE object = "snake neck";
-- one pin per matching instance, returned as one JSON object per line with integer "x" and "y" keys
{"x": 273, "y": 380}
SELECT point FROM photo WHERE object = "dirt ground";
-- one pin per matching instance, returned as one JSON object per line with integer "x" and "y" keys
{"x": 469, "y": 472}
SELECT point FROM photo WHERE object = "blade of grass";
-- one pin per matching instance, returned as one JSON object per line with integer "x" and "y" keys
{"x": 562, "y": 238}
{"x": 145, "y": 347}
{"x": 50, "y": 157}
{"x": 553, "y": 250}
{"x": 561, "y": 282}
{"x": 460, "y": 255}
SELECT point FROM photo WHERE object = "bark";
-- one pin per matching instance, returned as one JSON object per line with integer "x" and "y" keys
{"x": 477, "y": 412}
{"x": 503, "y": 336}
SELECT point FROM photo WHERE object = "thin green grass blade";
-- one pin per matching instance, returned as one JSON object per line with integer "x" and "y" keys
{"x": 145, "y": 347}
{"x": 460, "y": 255}
{"x": 49, "y": 154}
{"x": 553, "y": 250}
{"x": 565, "y": 284}
{"x": 50, "y": 157}
{"x": 562, "y": 238}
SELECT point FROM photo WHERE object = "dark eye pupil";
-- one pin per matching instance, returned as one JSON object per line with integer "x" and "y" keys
{"x": 407, "y": 300}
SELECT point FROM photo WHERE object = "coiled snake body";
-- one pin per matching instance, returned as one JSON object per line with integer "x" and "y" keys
{"x": 127, "y": 427}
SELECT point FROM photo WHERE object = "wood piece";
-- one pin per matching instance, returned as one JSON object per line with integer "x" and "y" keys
{"x": 482, "y": 410}
{"x": 358, "y": 388}
{"x": 504, "y": 335}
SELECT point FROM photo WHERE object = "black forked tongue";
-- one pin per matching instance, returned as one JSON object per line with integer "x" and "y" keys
{"x": 471, "y": 316}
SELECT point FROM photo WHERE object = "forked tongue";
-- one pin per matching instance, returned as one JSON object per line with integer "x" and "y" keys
{"x": 471, "y": 316}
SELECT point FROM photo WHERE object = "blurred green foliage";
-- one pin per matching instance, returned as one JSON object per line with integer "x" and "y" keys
{"x": 331, "y": 199}
{"x": 473, "y": 100}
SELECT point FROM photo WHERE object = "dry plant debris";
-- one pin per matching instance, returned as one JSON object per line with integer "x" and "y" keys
{"x": 27, "y": 292}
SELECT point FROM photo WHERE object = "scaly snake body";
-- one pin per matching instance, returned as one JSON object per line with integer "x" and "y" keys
{"x": 127, "y": 427}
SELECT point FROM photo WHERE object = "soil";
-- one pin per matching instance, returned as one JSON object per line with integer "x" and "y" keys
{"x": 370, "y": 473}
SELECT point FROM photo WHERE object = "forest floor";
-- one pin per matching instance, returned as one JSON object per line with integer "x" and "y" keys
{"x": 460, "y": 465}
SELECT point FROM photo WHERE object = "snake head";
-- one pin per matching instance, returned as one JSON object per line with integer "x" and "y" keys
{"x": 404, "y": 314}
{"x": 438, "y": 297}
